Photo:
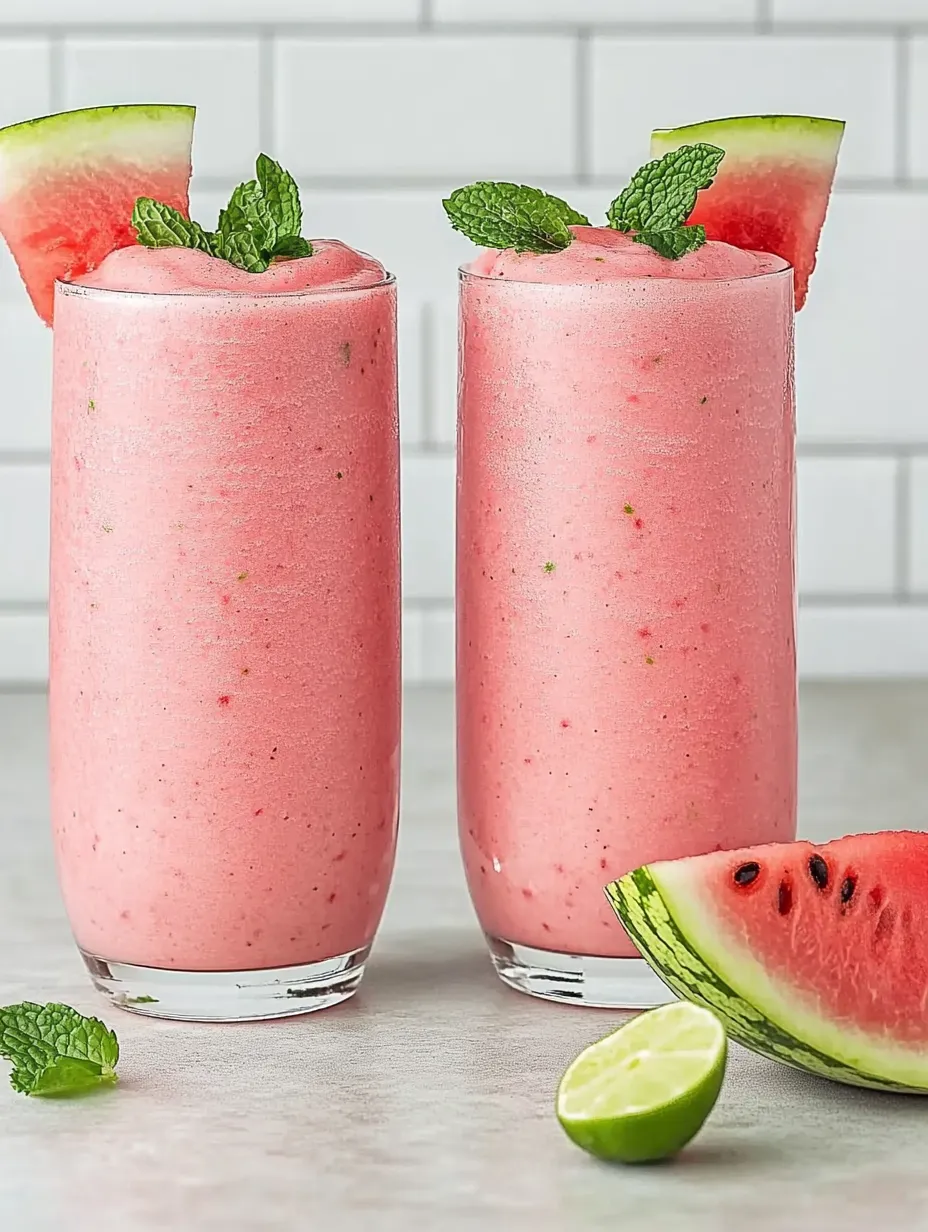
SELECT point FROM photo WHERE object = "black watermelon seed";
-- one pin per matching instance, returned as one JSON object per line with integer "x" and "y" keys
{"x": 818, "y": 871}
{"x": 785, "y": 898}
{"x": 848, "y": 886}
{"x": 746, "y": 873}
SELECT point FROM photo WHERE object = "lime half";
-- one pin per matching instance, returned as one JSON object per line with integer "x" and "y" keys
{"x": 643, "y": 1091}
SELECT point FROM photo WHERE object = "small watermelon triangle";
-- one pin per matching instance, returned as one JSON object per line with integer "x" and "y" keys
{"x": 772, "y": 189}
{"x": 68, "y": 183}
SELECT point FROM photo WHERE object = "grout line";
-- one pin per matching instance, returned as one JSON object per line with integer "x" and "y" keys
{"x": 764, "y": 16}
{"x": 583, "y": 104}
{"x": 428, "y": 415}
{"x": 266, "y": 77}
{"x": 423, "y": 606}
{"x": 55, "y": 72}
{"x": 25, "y": 457}
{"x": 343, "y": 29}
{"x": 903, "y": 528}
{"x": 838, "y": 600}
{"x": 902, "y": 65}
{"x": 861, "y": 449}
{"x": 23, "y": 607}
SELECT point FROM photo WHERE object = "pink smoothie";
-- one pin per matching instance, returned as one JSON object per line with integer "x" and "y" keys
{"x": 225, "y": 607}
{"x": 625, "y": 574}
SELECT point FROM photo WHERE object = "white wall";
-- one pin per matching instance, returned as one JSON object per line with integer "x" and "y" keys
{"x": 381, "y": 106}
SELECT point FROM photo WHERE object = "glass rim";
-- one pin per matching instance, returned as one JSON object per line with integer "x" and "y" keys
{"x": 645, "y": 280}
{"x": 79, "y": 290}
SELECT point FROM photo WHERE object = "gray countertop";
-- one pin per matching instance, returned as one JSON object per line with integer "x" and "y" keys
{"x": 426, "y": 1101}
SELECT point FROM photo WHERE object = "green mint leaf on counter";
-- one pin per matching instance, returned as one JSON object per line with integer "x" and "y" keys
{"x": 290, "y": 246}
{"x": 500, "y": 215}
{"x": 161, "y": 226}
{"x": 282, "y": 195}
{"x": 55, "y": 1050}
{"x": 661, "y": 197}
{"x": 261, "y": 223}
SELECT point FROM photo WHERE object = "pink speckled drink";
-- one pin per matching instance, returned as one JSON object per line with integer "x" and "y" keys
{"x": 626, "y": 653}
{"x": 225, "y": 626}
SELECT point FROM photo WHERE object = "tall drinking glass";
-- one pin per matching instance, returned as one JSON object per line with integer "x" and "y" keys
{"x": 225, "y": 641}
{"x": 625, "y": 598}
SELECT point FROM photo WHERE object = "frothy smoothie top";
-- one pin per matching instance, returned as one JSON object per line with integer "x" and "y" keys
{"x": 333, "y": 266}
{"x": 600, "y": 254}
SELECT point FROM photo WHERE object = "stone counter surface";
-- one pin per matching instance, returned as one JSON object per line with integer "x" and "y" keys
{"x": 426, "y": 1102}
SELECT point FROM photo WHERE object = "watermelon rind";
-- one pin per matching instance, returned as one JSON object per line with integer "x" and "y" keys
{"x": 96, "y": 135}
{"x": 69, "y": 182}
{"x": 760, "y": 136}
{"x": 661, "y": 909}
{"x": 772, "y": 189}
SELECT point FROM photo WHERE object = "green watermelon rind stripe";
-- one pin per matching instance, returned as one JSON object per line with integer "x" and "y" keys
{"x": 640, "y": 906}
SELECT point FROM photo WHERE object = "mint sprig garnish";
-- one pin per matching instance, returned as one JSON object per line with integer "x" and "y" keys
{"x": 654, "y": 206}
{"x": 500, "y": 215}
{"x": 261, "y": 223}
{"x": 661, "y": 197}
{"x": 55, "y": 1050}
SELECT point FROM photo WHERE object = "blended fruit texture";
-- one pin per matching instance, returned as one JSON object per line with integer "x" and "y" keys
{"x": 225, "y": 607}
{"x": 625, "y": 574}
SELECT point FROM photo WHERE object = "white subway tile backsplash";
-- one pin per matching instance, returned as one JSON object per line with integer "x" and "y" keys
{"x": 436, "y": 106}
{"x": 842, "y": 11}
{"x": 410, "y": 314}
{"x": 918, "y": 525}
{"x": 91, "y": 12}
{"x": 23, "y": 648}
{"x": 918, "y": 108}
{"x": 529, "y": 11}
{"x": 641, "y": 83}
{"x": 860, "y": 340}
{"x": 437, "y": 644}
{"x": 862, "y": 642}
{"x": 428, "y": 526}
{"x": 412, "y": 645}
{"x": 25, "y": 392}
{"x": 25, "y": 83}
{"x": 443, "y": 408}
{"x": 846, "y": 525}
{"x": 24, "y": 537}
{"x": 219, "y": 75}
{"x": 406, "y": 229}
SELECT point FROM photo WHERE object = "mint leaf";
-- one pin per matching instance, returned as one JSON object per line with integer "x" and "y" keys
{"x": 675, "y": 243}
{"x": 662, "y": 193}
{"x": 280, "y": 191}
{"x": 55, "y": 1050}
{"x": 262, "y": 221}
{"x": 661, "y": 197}
{"x": 161, "y": 226}
{"x": 291, "y": 246}
{"x": 70, "y": 1076}
{"x": 501, "y": 215}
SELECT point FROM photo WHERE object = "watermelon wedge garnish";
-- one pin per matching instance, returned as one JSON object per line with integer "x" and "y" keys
{"x": 771, "y": 191}
{"x": 68, "y": 183}
{"x": 816, "y": 956}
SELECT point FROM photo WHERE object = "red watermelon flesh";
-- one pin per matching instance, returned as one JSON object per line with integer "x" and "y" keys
{"x": 772, "y": 189}
{"x": 68, "y": 183}
{"x": 814, "y": 955}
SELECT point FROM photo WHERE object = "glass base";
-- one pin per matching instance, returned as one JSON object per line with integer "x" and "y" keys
{"x": 605, "y": 983}
{"x": 228, "y": 996}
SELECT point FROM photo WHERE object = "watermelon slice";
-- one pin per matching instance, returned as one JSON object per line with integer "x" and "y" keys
{"x": 816, "y": 956}
{"x": 68, "y": 183}
{"x": 772, "y": 189}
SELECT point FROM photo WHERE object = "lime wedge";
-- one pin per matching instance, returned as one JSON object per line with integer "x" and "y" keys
{"x": 642, "y": 1092}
